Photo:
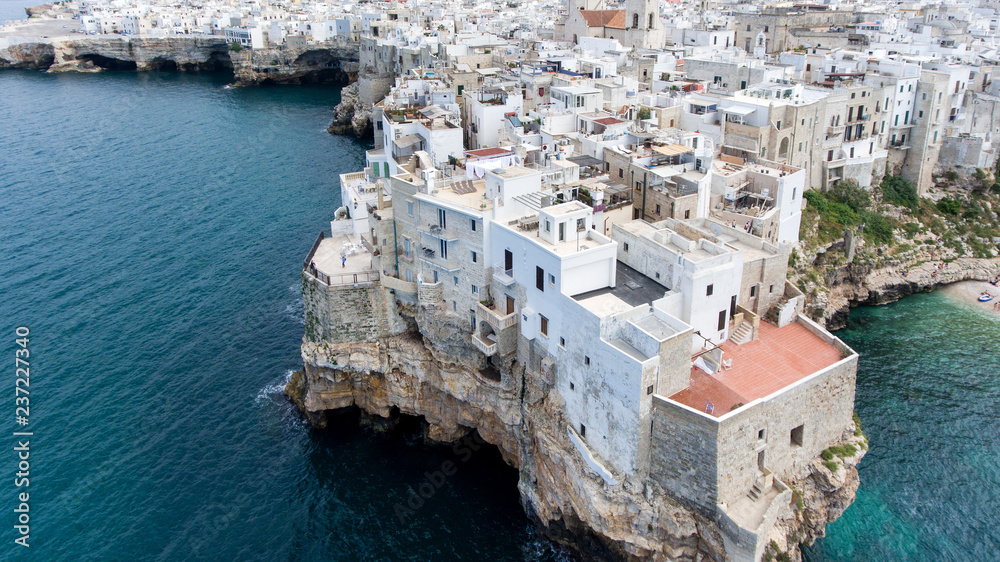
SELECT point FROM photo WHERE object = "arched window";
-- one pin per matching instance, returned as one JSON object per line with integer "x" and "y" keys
{"x": 783, "y": 149}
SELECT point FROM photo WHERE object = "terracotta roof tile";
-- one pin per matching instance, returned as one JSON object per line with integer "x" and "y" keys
{"x": 604, "y": 18}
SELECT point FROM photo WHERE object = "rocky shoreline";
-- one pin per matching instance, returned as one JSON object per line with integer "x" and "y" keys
{"x": 428, "y": 373}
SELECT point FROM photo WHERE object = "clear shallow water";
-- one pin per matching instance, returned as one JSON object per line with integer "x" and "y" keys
{"x": 152, "y": 228}
{"x": 928, "y": 390}
{"x": 14, "y": 9}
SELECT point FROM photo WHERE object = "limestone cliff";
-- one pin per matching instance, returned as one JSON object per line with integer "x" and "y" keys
{"x": 285, "y": 65}
{"x": 297, "y": 65}
{"x": 350, "y": 115}
{"x": 430, "y": 370}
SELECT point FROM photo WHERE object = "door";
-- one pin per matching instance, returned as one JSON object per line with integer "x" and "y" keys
{"x": 562, "y": 232}
{"x": 508, "y": 260}
{"x": 510, "y": 304}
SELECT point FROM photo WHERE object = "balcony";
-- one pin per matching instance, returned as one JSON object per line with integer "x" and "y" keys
{"x": 430, "y": 257}
{"x": 438, "y": 231}
{"x": 487, "y": 347}
{"x": 495, "y": 318}
{"x": 503, "y": 276}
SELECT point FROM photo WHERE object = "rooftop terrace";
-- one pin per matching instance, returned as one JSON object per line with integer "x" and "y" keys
{"x": 781, "y": 357}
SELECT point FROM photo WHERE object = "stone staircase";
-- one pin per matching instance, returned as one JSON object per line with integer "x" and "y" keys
{"x": 742, "y": 334}
{"x": 756, "y": 491}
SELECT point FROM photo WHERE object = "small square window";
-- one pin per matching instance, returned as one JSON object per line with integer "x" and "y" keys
{"x": 710, "y": 290}
{"x": 796, "y": 436}
{"x": 552, "y": 280}
{"x": 649, "y": 389}
{"x": 586, "y": 360}
{"x": 760, "y": 434}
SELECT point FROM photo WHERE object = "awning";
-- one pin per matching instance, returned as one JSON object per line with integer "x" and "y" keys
{"x": 673, "y": 149}
{"x": 739, "y": 110}
{"x": 407, "y": 141}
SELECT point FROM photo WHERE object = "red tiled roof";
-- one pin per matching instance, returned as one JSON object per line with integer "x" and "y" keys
{"x": 484, "y": 152}
{"x": 779, "y": 358}
{"x": 604, "y": 18}
{"x": 608, "y": 121}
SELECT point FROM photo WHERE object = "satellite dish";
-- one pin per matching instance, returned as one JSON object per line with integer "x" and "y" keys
{"x": 716, "y": 229}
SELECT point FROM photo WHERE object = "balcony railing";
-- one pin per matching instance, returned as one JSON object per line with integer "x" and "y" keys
{"x": 487, "y": 347}
{"x": 494, "y": 318}
{"x": 503, "y": 276}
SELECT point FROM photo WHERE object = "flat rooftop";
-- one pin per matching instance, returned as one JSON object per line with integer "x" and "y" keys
{"x": 779, "y": 358}
{"x": 460, "y": 191}
{"x": 327, "y": 258}
{"x": 631, "y": 289}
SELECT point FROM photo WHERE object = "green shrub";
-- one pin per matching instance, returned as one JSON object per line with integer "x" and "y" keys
{"x": 830, "y": 465}
{"x": 949, "y": 206}
{"x": 850, "y": 194}
{"x": 644, "y": 113}
{"x": 878, "y": 229}
{"x": 897, "y": 190}
{"x": 235, "y": 47}
{"x": 911, "y": 228}
{"x": 952, "y": 175}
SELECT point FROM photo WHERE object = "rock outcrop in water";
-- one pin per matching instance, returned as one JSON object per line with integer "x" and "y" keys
{"x": 426, "y": 369}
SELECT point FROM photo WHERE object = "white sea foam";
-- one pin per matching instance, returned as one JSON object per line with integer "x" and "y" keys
{"x": 275, "y": 390}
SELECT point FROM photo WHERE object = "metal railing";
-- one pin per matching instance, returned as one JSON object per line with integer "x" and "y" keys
{"x": 342, "y": 278}
{"x": 312, "y": 251}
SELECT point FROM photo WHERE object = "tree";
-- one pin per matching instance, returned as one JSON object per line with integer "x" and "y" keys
{"x": 645, "y": 113}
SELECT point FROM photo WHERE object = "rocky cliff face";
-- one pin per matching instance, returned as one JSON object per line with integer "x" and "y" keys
{"x": 299, "y": 65}
{"x": 335, "y": 64}
{"x": 431, "y": 372}
{"x": 351, "y": 116}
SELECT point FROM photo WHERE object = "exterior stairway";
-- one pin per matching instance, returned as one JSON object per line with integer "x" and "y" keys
{"x": 742, "y": 334}
{"x": 756, "y": 491}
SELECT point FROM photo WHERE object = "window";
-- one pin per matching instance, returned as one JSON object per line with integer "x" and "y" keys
{"x": 441, "y": 218}
{"x": 687, "y": 214}
{"x": 472, "y": 224}
{"x": 406, "y": 247}
{"x": 548, "y": 225}
{"x": 649, "y": 390}
{"x": 710, "y": 290}
{"x": 444, "y": 250}
{"x": 544, "y": 329}
{"x": 409, "y": 208}
{"x": 778, "y": 125}
{"x": 552, "y": 280}
{"x": 586, "y": 360}
{"x": 435, "y": 276}
{"x": 456, "y": 284}
{"x": 635, "y": 24}
{"x": 766, "y": 28}
{"x": 475, "y": 258}
{"x": 753, "y": 291}
{"x": 621, "y": 172}
{"x": 583, "y": 430}
{"x": 748, "y": 28}
{"x": 771, "y": 290}
{"x": 562, "y": 342}
{"x": 796, "y": 437}
{"x": 722, "y": 320}
{"x": 657, "y": 209}
{"x": 572, "y": 386}
{"x": 539, "y": 278}
{"x": 760, "y": 434}
{"x": 625, "y": 246}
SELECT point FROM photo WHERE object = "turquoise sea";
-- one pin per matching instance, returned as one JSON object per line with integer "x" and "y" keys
{"x": 927, "y": 394}
{"x": 152, "y": 228}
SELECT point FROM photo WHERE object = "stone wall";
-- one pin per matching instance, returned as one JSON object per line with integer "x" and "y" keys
{"x": 348, "y": 313}
{"x": 684, "y": 454}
